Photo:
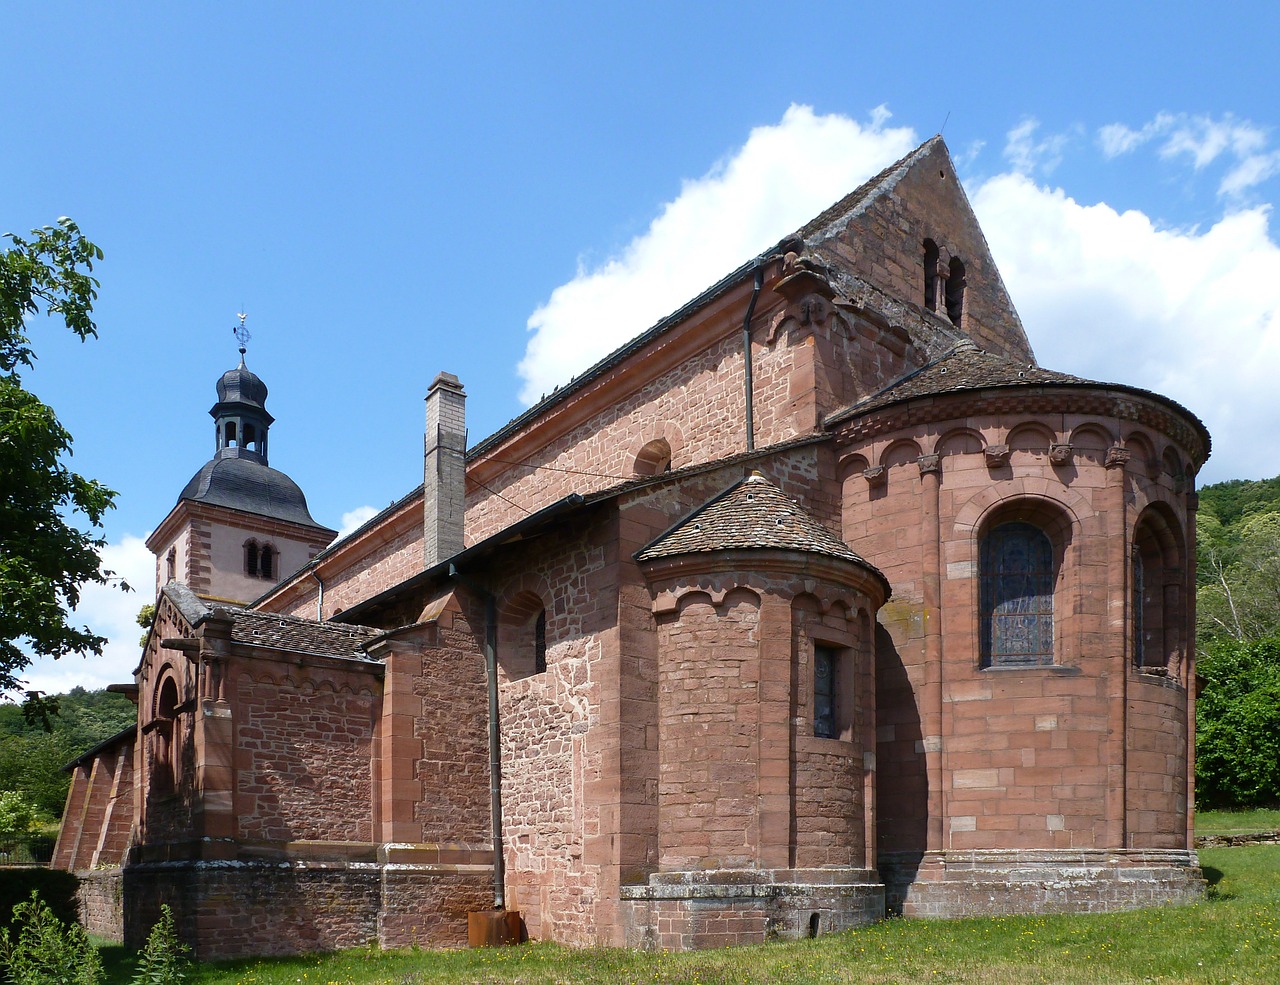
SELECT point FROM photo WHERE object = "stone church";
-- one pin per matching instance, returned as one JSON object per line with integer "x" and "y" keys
{"x": 819, "y": 600}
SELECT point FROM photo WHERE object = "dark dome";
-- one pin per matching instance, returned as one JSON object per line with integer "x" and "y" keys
{"x": 243, "y": 484}
{"x": 241, "y": 386}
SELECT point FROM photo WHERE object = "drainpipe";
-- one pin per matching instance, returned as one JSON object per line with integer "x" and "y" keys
{"x": 319, "y": 598}
{"x": 495, "y": 759}
{"x": 746, "y": 357}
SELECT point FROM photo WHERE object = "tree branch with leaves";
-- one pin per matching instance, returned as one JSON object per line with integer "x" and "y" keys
{"x": 45, "y": 558}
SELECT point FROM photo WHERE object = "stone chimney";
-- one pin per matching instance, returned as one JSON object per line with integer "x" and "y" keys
{"x": 444, "y": 470}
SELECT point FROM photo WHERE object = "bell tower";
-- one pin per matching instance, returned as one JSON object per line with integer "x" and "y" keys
{"x": 239, "y": 526}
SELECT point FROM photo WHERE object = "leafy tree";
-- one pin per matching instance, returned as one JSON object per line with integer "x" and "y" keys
{"x": 1238, "y": 723}
{"x": 17, "y": 818}
{"x": 1239, "y": 595}
{"x": 31, "y": 758}
{"x": 44, "y": 558}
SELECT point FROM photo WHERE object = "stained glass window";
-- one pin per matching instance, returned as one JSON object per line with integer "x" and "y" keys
{"x": 1017, "y": 596}
{"x": 824, "y": 691}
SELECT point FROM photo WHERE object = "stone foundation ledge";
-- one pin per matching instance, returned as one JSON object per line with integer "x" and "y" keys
{"x": 1019, "y": 881}
{"x": 716, "y": 908}
{"x": 747, "y": 883}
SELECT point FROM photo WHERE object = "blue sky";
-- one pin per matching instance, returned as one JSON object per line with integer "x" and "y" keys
{"x": 505, "y": 192}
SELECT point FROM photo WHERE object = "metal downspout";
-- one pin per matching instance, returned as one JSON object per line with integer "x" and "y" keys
{"x": 319, "y": 597}
{"x": 746, "y": 358}
{"x": 495, "y": 737}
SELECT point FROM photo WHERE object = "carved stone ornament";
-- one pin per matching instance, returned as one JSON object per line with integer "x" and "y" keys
{"x": 809, "y": 311}
{"x": 876, "y": 476}
{"x": 1117, "y": 457}
{"x": 1060, "y": 454}
{"x": 929, "y": 463}
{"x": 997, "y": 456}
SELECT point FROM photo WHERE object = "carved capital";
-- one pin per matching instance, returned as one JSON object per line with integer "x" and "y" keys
{"x": 1117, "y": 457}
{"x": 1060, "y": 454}
{"x": 997, "y": 456}
{"x": 929, "y": 463}
{"x": 876, "y": 476}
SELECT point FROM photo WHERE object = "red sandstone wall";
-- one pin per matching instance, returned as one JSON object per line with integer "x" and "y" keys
{"x": 885, "y": 244}
{"x": 1027, "y": 758}
{"x": 1156, "y": 794}
{"x": 709, "y": 748}
{"x": 559, "y": 737}
{"x": 302, "y": 756}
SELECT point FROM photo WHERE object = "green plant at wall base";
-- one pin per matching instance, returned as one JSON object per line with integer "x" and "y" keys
{"x": 163, "y": 960}
{"x": 40, "y": 950}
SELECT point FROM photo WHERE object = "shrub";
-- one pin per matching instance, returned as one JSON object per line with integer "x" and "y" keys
{"x": 1238, "y": 724}
{"x": 39, "y": 949}
{"x": 163, "y": 960}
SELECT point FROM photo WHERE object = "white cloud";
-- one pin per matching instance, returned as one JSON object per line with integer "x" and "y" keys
{"x": 1104, "y": 294}
{"x": 1027, "y": 154}
{"x": 781, "y": 177}
{"x": 108, "y": 611}
{"x": 354, "y": 519}
{"x": 1111, "y": 296}
{"x": 1202, "y": 140}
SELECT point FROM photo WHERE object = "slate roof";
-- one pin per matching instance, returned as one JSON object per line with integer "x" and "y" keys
{"x": 967, "y": 367}
{"x": 753, "y": 513}
{"x": 858, "y": 199}
{"x": 249, "y": 486}
{"x": 274, "y": 630}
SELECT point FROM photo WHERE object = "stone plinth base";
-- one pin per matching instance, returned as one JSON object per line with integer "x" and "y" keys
{"x": 681, "y": 911}
{"x": 100, "y": 898}
{"x": 989, "y": 883}
{"x": 256, "y": 907}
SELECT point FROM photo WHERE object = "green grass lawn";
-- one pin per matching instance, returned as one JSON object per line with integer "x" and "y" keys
{"x": 1233, "y": 936}
{"x": 1237, "y": 822}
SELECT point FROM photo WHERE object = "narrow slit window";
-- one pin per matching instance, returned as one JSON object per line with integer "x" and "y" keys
{"x": 824, "y": 691}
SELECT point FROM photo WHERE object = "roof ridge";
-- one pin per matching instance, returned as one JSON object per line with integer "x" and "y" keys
{"x": 872, "y": 187}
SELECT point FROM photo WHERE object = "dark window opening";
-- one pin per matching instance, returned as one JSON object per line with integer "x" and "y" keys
{"x": 251, "y": 559}
{"x": 1139, "y": 603}
{"x": 1017, "y": 580}
{"x": 931, "y": 275}
{"x": 230, "y": 431}
{"x": 825, "y": 660}
{"x": 171, "y": 564}
{"x": 955, "y": 291}
{"x": 540, "y": 643}
{"x": 266, "y": 559}
{"x": 250, "y": 437}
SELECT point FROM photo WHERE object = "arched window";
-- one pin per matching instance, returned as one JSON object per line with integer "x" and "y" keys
{"x": 931, "y": 275}
{"x": 230, "y": 434}
{"x": 1017, "y": 580}
{"x": 522, "y": 636}
{"x": 1157, "y": 611}
{"x": 164, "y": 735}
{"x": 654, "y": 458}
{"x": 171, "y": 564}
{"x": 266, "y": 562}
{"x": 250, "y": 437}
{"x": 251, "y": 559}
{"x": 955, "y": 291}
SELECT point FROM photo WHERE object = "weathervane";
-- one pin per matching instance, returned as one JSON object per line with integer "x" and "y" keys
{"x": 241, "y": 333}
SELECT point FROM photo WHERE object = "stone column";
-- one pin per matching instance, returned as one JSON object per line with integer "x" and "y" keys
{"x": 1117, "y": 625}
{"x": 931, "y": 703}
